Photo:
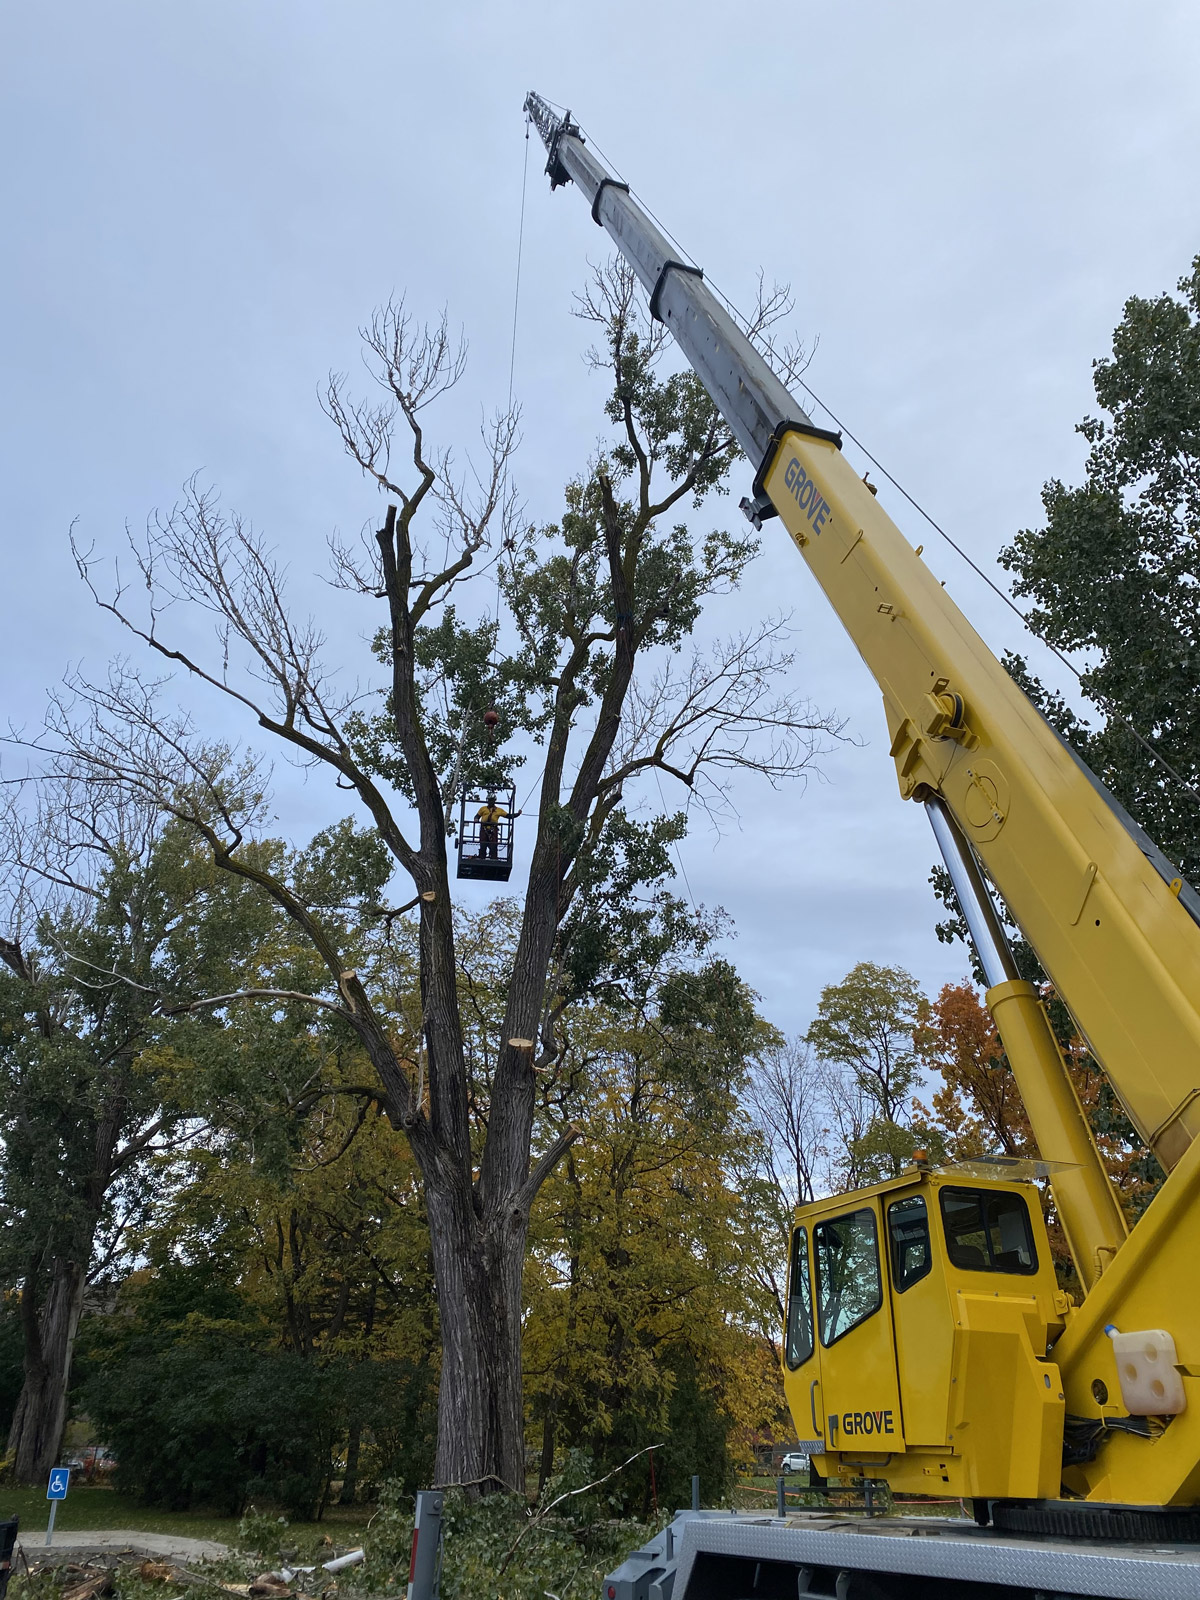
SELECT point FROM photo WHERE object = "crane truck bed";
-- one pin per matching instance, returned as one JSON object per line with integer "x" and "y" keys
{"x": 719, "y": 1555}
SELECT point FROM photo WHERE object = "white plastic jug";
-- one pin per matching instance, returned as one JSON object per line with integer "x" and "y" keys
{"x": 1150, "y": 1385}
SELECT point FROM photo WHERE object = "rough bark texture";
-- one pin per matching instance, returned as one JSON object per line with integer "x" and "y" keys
{"x": 49, "y": 1334}
{"x": 52, "y": 1302}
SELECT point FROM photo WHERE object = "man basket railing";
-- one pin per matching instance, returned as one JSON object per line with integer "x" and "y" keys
{"x": 485, "y": 833}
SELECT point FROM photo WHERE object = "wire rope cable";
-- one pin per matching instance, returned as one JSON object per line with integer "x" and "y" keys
{"x": 512, "y": 354}
{"x": 529, "y": 792}
{"x": 675, "y": 845}
{"x": 512, "y": 359}
{"x": 1102, "y": 701}
{"x": 688, "y": 256}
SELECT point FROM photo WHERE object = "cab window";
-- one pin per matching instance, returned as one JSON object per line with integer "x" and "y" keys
{"x": 987, "y": 1230}
{"x": 849, "y": 1288}
{"x": 798, "y": 1345}
{"x": 908, "y": 1241}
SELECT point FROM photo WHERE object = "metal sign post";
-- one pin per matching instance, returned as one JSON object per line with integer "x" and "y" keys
{"x": 425, "y": 1566}
{"x": 56, "y": 1490}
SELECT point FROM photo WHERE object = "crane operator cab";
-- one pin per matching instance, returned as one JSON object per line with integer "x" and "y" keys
{"x": 485, "y": 833}
{"x": 921, "y": 1313}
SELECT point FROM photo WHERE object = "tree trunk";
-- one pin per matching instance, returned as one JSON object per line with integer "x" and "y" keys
{"x": 546, "y": 1468}
{"x": 354, "y": 1433}
{"x": 350, "y": 1476}
{"x": 478, "y": 1266}
{"x": 41, "y": 1414}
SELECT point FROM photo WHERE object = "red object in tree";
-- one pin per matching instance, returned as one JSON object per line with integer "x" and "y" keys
{"x": 490, "y": 718}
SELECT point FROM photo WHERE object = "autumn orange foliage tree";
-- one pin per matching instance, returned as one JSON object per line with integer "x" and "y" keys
{"x": 978, "y": 1110}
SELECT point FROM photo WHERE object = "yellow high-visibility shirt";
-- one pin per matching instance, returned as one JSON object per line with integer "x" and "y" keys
{"x": 490, "y": 813}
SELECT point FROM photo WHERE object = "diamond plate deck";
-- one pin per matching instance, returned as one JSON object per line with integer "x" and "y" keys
{"x": 916, "y": 1546}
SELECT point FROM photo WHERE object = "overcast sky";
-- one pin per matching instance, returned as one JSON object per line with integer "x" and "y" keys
{"x": 203, "y": 199}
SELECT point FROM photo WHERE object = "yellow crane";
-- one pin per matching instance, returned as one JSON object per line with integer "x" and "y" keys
{"x": 927, "y": 1341}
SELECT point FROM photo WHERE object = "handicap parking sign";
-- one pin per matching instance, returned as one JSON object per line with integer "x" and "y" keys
{"x": 56, "y": 1489}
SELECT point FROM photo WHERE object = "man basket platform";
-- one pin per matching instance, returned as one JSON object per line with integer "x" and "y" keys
{"x": 485, "y": 833}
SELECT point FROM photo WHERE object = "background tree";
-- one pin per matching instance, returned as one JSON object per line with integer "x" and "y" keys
{"x": 647, "y": 1324}
{"x": 876, "y": 1025}
{"x": 978, "y": 1109}
{"x": 1115, "y": 570}
{"x": 307, "y": 1278}
{"x": 787, "y": 1095}
{"x": 112, "y": 917}
{"x": 591, "y": 665}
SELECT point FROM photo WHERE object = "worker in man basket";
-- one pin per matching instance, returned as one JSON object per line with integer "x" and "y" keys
{"x": 488, "y": 817}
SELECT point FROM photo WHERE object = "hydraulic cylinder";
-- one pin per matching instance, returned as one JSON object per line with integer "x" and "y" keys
{"x": 1087, "y": 1205}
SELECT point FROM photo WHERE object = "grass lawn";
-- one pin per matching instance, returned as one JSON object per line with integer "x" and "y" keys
{"x": 87, "y": 1507}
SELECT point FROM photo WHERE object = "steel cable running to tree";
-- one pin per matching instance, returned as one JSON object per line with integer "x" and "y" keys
{"x": 512, "y": 367}
{"x": 675, "y": 846}
{"x": 1102, "y": 701}
{"x": 491, "y": 717}
{"x": 679, "y": 858}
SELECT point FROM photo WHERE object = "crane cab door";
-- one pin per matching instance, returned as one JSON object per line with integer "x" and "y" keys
{"x": 856, "y": 1347}
{"x": 802, "y": 1374}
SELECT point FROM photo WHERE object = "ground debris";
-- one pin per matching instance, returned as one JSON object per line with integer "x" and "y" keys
{"x": 94, "y": 1583}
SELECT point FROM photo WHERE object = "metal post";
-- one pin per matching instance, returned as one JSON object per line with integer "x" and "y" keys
{"x": 50, "y": 1524}
{"x": 695, "y": 1491}
{"x": 424, "y": 1566}
{"x": 868, "y": 1498}
{"x": 782, "y": 1493}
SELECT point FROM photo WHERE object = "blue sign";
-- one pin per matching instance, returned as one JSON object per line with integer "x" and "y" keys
{"x": 60, "y": 1478}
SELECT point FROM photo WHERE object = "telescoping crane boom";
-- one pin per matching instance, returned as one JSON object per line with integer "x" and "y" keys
{"x": 927, "y": 1342}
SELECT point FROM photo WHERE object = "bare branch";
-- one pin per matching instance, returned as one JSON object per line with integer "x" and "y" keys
{"x": 723, "y": 713}
{"x": 199, "y": 556}
{"x": 787, "y": 1093}
{"x": 413, "y": 366}
{"x": 545, "y": 1165}
{"x": 212, "y": 1001}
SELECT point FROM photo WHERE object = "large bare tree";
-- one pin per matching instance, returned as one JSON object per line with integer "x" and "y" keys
{"x": 591, "y": 662}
